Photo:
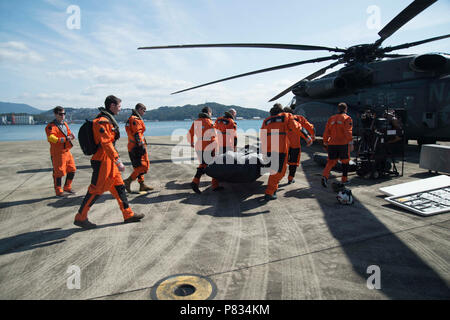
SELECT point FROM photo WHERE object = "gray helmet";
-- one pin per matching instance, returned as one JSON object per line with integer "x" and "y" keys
{"x": 345, "y": 197}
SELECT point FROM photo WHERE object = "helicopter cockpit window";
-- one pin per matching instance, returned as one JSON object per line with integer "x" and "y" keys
{"x": 293, "y": 103}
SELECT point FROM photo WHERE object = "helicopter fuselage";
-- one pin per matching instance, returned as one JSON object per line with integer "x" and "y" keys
{"x": 418, "y": 86}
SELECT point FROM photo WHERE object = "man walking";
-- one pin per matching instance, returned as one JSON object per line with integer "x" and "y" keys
{"x": 226, "y": 130}
{"x": 338, "y": 139}
{"x": 60, "y": 138}
{"x": 205, "y": 146}
{"x": 107, "y": 166}
{"x": 274, "y": 144}
{"x": 137, "y": 148}
{"x": 307, "y": 132}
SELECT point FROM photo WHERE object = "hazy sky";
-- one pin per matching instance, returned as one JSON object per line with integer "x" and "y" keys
{"x": 46, "y": 60}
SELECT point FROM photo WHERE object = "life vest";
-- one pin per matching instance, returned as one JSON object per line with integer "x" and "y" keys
{"x": 274, "y": 132}
{"x": 226, "y": 131}
{"x": 57, "y": 139}
{"x": 338, "y": 130}
{"x": 306, "y": 124}
{"x": 204, "y": 132}
{"x": 307, "y": 132}
{"x": 135, "y": 128}
{"x": 105, "y": 136}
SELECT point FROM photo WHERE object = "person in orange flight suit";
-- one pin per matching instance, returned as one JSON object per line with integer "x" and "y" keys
{"x": 226, "y": 130}
{"x": 295, "y": 149}
{"x": 107, "y": 166}
{"x": 338, "y": 139}
{"x": 60, "y": 138}
{"x": 205, "y": 146}
{"x": 274, "y": 144}
{"x": 137, "y": 148}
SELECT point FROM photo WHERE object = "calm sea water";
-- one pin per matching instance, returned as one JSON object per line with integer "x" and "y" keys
{"x": 162, "y": 128}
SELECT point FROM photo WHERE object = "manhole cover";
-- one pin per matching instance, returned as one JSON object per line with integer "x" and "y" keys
{"x": 184, "y": 287}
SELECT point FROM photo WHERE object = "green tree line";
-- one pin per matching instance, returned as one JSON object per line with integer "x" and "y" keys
{"x": 164, "y": 113}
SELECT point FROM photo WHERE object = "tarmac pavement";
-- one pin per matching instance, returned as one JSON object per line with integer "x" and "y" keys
{"x": 304, "y": 245}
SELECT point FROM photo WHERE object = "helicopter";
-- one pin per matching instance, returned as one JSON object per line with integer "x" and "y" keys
{"x": 415, "y": 87}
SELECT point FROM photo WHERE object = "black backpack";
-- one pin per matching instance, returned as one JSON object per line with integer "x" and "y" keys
{"x": 86, "y": 138}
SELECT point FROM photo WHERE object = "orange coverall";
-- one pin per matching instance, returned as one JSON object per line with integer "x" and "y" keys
{"x": 62, "y": 159}
{"x": 106, "y": 175}
{"x": 295, "y": 150}
{"x": 274, "y": 143}
{"x": 337, "y": 135}
{"x": 203, "y": 129}
{"x": 137, "y": 147}
{"x": 226, "y": 130}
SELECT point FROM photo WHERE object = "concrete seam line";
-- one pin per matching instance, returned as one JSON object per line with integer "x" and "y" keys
{"x": 19, "y": 186}
{"x": 287, "y": 258}
{"x": 322, "y": 250}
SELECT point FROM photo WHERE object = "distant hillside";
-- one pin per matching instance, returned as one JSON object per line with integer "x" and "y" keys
{"x": 8, "y": 107}
{"x": 160, "y": 114}
{"x": 71, "y": 114}
{"x": 192, "y": 111}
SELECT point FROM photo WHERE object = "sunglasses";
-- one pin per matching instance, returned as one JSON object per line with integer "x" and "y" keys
{"x": 62, "y": 113}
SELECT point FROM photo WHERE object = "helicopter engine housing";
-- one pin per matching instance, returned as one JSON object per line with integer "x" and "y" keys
{"x": 429, "y": 62}
{"x": 325, "y": 87}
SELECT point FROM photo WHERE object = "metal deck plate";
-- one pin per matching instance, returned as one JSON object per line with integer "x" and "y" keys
{"x": 424, "y": 203}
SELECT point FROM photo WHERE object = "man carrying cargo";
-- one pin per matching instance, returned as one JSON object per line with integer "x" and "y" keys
{"x": 137, "y": 148}
{"x": 106, "y": 165}
{"x": 295, "y": 150}
{"x": 274, "y": 144}
{"x": 60, "y": 138}
{"x": 205, "y": 146}
{"x": 226, "y": 130}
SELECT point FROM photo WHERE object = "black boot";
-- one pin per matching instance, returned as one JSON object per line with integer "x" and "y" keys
{"x": 269, "y": 197}
{"x": 86, "y": 224}
{"x": 292, "y": 170}
{"x": 135, "y": 218}
{"x": 194, "y": 187}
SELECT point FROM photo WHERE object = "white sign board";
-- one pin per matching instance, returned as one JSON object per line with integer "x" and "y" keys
{"x": 417, "y": 186}
{"x": 424, "y": 203}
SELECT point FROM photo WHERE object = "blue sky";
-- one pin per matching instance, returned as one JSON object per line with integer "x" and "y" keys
{"x": 44, "y": 63}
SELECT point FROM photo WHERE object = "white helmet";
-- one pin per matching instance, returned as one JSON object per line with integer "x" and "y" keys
{"x": 345, "y": 197}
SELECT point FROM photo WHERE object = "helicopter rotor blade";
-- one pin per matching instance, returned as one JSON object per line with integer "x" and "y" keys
{"x": 289, "y": 65}
{"x": 247, "y": 45}
{"x": 310, "y": 77}
{"x": 393, "y": 55}
{"x": 402, "y": 18}
{"x": 416, "y": 43}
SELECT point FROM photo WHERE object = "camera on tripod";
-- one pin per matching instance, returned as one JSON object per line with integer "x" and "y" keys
{"x": 380, "y": 143}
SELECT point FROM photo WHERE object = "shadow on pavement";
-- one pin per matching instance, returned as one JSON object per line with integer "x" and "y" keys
{"x": 4, "y": 205}
{"x": 174, "y": 185}
{"x": 221, "y": 202}
{"x": 366, "y": 241}
{"x": 42, "y": 238}
{"x": 77, "y": 200}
